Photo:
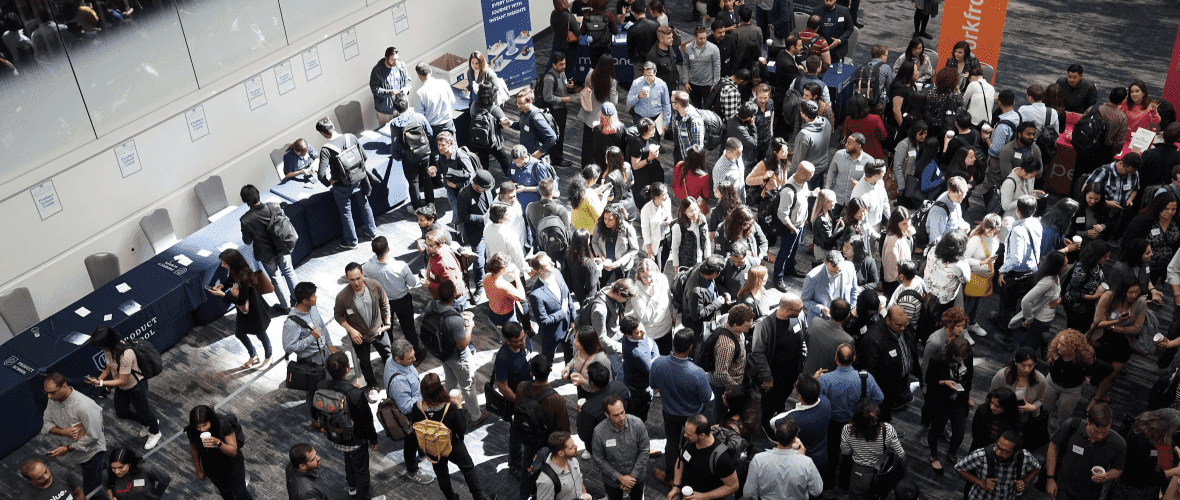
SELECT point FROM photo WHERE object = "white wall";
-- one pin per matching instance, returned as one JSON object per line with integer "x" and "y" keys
{"x": 102, "y": 209}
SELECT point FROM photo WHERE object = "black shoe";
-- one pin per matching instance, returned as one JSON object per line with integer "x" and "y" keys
{"x": 279, "y": 310}
{"x": 515, "y": 471}
{"x": 926, "y": 35}
{"x": 781, "y": 286}
{"x": 860, "y": 26}
{"x": 794, "y": 273}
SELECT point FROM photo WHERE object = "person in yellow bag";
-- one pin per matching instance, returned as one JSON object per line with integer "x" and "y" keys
{"x": 439, "y": 426}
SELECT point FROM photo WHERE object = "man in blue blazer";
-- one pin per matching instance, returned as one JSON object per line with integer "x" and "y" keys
{"x": 834, "y": 279}
{"x": 549, "y": 301}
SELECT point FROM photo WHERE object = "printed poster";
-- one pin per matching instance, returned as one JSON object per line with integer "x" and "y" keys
{"x": 509, "y": 33}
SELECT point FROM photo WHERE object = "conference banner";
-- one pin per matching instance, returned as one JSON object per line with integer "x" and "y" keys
{"x": 508, "y": 30}
{"x": 1172, "y": 85}
{"x": 978, "y": 22}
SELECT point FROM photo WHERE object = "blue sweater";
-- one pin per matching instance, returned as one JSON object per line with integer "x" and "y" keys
{"x": 683, "y": 385}
{"x": 637, "y": 362}
{"x": 813, "y": 428}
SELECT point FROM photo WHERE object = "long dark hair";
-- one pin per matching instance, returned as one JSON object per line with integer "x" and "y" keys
{"x": 1060, "y": 215}
{"x": 1092, "y": 253}
{"x": 576, "y": 191}
{"x": 905, "y": 73}
{"x": 1146, "y": 97}
{"x": 1051, "y": 265}
{"x": 580, "y": 251}
{"x": 239, "y": 269}
{"x": 866, "y": 421}
{"x": 603, "y": 77}
{"x": 620, "y": 215}
{"x": 614, "y": 161}
{"x": 588, "y": 338}
{"x": 105, "y": 338}
{"x": 201, "y": 414}
{"x": 1007, "y": 399}
{"x": 962, "y": 44}
{"x": 1094, "y": 187}
{"x": 485, "y": 96}
{"x": 1022, "y": 354}
{"x": 126, "y": 456}
{"x": 740, "y": 224}
{"x": 909, "y": 51}
{"x": 1159, "y": 204}
{"x": 1133, "y": 254}
{"x": 915, "y": 128}
{"x": 1121, "y": 288}
{"x": 694, "y": 159}
{"x": 858, "y": 107}
{"x": 950, "y": 247}
{"x": 433, "y": 392}
{"x": 854, "y": 206}
{"x": 896, "y": 217}
{"x": 729, "y": 201}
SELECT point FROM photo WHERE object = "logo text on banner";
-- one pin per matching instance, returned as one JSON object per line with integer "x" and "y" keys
{"x": 508, "y": 30}
{"x": 978, "y": 22}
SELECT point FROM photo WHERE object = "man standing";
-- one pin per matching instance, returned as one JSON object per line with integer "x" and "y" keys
{"x": 536, "y": 135}
{"x": 1037, "y": 112}
{"x": 744, "y": 127}
{"x": 1001, "y": 471}
{"x": 599, "y": 387}
{"x": 1121, "y": 180}
{"x": 889, "y": 352}
{"x": 690, "y": 127}
{"x": 684, "y": 389}
{"x": 549, "y": 303}
{"x": 538, "y": 210}
{"x": 777, "y": 352}
{"x": 978, "y": 98}
{"x": 1078, "y": 450}
{"x": 362, "y": 308}
{"x": 501, "y": 236}
{"x": 256, "y": 224}
{"x": 562, "y": 477}
{"x": 1022, "y": 257}
{"x": 811, "y": 415}
{"x": 620, "y": 449}
{"x": 748, "y": 40}
{"x": 605, "y": 310}
{"x": 836, "y": 27}
{"x": 457, "y": 168}
{"x": 639, "y": 352}
{"x": 649, "y": 97}
{"x": 825, "y": 336}
{"x": 388, "y": 79}
{"x": 843, "y": 388}
{"x": 848, "y": 165}
{"x": 834, "y": 278}
{"x": 665, "y": 59}
{"x": 397, "y": 280}
{"x": 730, "y": 168}
{"x": 871, "y": 190}
{"x": 77, "y": 418}
{"x": 301, "y": 474}
{"x": 436, "y": 101}
{"x": 405, "y": 389}
{"x": 1080, "y": 93}
{"x": 555, "y": 93}
{"x": 792, "y": 214}
{"x": 947, "y": 213}
{"x": 348, "y": 195}
{"x": 1116, "y": 129}
{"x": 510, "y": 371}
{"x": 641, "y": 36}
{"x": 43, "y": 483}
{"x": 703, "y": 64}
{"x": 304, "y": 332}
{"x": 356, "y": 453}
{"x": 554, "y": 414}
{"x": 811, "y": 143}
{"x": 729, "y": 355}
{"x": 410, "y": 144}
{"x": 474, "y": 202}
{"x": 455, "y": 329}
{"x": 724, "y": 44}
{"x": 785, "y": 472}
{"x": 703, "y": 301}
{"x": 443, "y": 267}
{"x": 709, "y": 476}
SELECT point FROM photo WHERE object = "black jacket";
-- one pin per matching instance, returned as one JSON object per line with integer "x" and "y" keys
{"x": 358, "y": 408}
{"x": 255, "y": 233}
{"x": 302, "y": 485}
{"x": 470, "y": 212}
{"x": 640, "y": 39}
{"x": 879, "y": 352}
{"x": 256, "y": 319}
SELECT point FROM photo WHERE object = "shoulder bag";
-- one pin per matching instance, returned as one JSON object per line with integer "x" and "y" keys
{"x": 980, "y": 286}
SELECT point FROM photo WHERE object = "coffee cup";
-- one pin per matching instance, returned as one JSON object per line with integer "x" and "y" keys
{"x": 1158, "y": 337}
{"x": 686, "y": 491}
{"x": 1097, "y": 470}
{"x": 1077, "y": 239}
{"x": 206, "y": 435}
{"x": 647, "y": 90}
{"x": 581, "y": 401}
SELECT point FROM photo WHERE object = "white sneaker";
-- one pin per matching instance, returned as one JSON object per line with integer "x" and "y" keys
{"x": 420, "y": 478}
{"x": 153, "y": 440}
{"x": 379, "y": 497}
{"x": 977, "y": 330}
{"x": 144, "y": 432}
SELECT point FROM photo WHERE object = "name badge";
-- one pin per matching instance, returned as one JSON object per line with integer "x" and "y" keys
{"x": 1079, "y": 450}
{"x": 1080, "y": 220}
{"x": 864, "y": 329}
{"x": 526, "y": 128}
{"x": 840, "y": 20}
{"x": 350, "y": 311}
{"x": 691, "y": 57}
{"x": 893, "y": 353}
{"x": 797, "y": 328}
{"x": 767, "y": 114}
{"x": 1155, "y": 453}
{"x": 1017, "y": 156}
{"x": 686, "y": 456}
{"x": 610, "y": 443}
{"x": 138, "y": 483}
{"x": 1155, "y": 231}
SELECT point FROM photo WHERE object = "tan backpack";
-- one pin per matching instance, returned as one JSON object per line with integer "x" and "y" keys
{"x": 434, "y": 438}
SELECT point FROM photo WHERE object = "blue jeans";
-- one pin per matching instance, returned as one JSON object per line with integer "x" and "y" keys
{"x": 788, "y": 246}
{"x": 282, "y": 263}
{"x": 346, "y": 200}
{"x": 245, "y": 338}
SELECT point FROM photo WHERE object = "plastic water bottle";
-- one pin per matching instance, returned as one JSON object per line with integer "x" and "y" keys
{"x": 36, "y": 332}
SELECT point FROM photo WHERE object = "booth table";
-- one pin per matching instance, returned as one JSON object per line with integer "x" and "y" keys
{"x": 838, "y": 79}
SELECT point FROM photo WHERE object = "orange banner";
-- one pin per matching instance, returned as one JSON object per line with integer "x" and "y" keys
{"x": 1172, "y": 84}
{"x": 979, "y": 22}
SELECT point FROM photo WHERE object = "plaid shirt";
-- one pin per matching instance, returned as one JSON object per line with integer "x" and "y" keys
{"x": 690, "y": 129}
{"x": 1118, "y": 187}
{"x": 975, "y": 464}
{"x": 730, "y": 97}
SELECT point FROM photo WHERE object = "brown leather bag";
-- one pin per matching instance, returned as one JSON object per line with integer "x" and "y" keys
{"x": 262, "y": 282}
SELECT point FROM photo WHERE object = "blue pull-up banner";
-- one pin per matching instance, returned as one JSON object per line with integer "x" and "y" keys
{"x": 509, "y": 33}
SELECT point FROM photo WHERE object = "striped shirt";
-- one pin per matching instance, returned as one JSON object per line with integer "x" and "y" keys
{"x": 1118, "y": 187}
{"x": 866, "y": 452}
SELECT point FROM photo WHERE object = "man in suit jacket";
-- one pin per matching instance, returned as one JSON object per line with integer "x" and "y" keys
{"x": 475, "y": 200}
{"x": 825, "y": 336}
{"x": 362, "y": 308}
{"x": 255, "y": 232}
{"x": 549, "y": 301}
{"x": 834, "y": 279}
{"x": 889, "y": 352}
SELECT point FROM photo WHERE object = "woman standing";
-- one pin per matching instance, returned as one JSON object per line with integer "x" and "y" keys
{"x": 773, "y": 171}
{"x": 690, "y": 178}
{"x": 741, "y": 226}
{"x": 436, "y": 405}
{"x": 580, "y": 271}
{"x": 1093, "y": 218}
{"x": 753, "y": 293}
{"x": 862, "y": 120}
{"x": 1038, "y": 307}
{"x": 601, "y": 88}
{"x": 213, "y": 445}
{"x": 981, "y": 256}
{"x": 614, "y": 244}
{"x": 587, "y": 199}
{"x": 727, "y": 202}
{"x": 129, "y": 478}
{"x": 1085, "y": 285}
{"x": 962, "y": 62}
{"x": 598, "y": 12}
{"x": 652, "y": 304}
{"x": 1151, "y": 456}
{"x": 899, "y": 246}
{"x": 691, "y": 243}
{"x": 478, "y": 73}
{"x": 946, "y": 273}
{"x": 565, "y": 28}
{"x": 1142, "y": 111}
{"x": 1158, "y": 228}
{"x": 1118, "y": 319}
{"x": 485, "y": 101}
{"x": 645, "y": 160}
{"x": 607, "y": 133}
{"x": 948, "y": 398}
{"x": 865, "y": 438}
{"x": 1022, "y": 378}
{"x": 945, "y": 100}
{"x": 587, "y": 350}
{"x": 868, "y": 277}
{"x": 1133, "y": 262}
{"x": 902, "y": 93}
{"x": 992, "y": 420}
{"x": 240, "y": 288}
{"x": 825, "y": 231}
{"x": 1056, "y": 225}
{"x": 1071, "y": 362}
{"x": 619, "y": 177}
{"x": 655, "y": 220}
{"x": 923, "y": 11}
{"x": 907, "y": 153}
{"x": 503, "y": 288}
{"x": 130, "y": 390}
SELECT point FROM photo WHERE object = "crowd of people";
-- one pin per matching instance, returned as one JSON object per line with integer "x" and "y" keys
{"x": 672, "y": 287}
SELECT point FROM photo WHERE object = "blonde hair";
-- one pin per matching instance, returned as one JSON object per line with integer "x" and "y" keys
{"x": 825, "y": 195}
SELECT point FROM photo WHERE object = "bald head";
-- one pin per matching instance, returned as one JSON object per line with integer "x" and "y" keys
{"x": 845, "y": 355}
{"x": 897, "y": 319}
{"x": 789, "y": 306}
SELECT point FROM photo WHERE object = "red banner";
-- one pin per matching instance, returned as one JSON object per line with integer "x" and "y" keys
{"x": 979, "y": 22}
{"x": 1172, "y": 84}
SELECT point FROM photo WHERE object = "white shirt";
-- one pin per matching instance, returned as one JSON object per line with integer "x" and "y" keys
{"x": 1036, "y": 113}
{"x": 876, "y": 203}
{"x": 653, "y": 306}
{"x": 502, "y": 237}
{"x": 653, "y": 221}
{"x": 979, "y": 97}
{"x": 975, "y": 252}
{"x": 435, "y": 101}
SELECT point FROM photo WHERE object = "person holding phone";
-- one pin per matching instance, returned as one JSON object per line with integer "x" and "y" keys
{"x": 78, "y": 419}
{"x": 1118, "y": 318}
{"x": 240, "y": 288}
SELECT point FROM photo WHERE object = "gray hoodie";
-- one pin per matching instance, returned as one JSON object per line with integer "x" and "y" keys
{"x": 811, "y": 144}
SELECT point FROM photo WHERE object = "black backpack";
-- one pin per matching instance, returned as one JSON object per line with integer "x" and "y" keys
{"x": 598, "y": 29}
{"x": 768, "y": 210}
{"x": 147, "y": 358}
{"x": 232, "y": 420}
{"x": 868, "y": 78}
{"x": 1090, "y": 132}
{"x": 553, "y": 234}
{"x": 539, "y": 92}
{"x": 680, "y": 284}
{"x": 714, "y": 128}
{"x": 790, "y": 108}
{"x": 463, "y": 177}
{"x": 282, "y": 233}
{"x": 546, "y": 469}
{"x": 434, "y": 339}
{"x": 713, "y": 101}
{"x": 549, "y": 119}
{"x": 348, "y": 164}
{"x": 732, "y": 444}
{"x": 1047, "y": 140}
{"x": 483, "y": 129}
{"x": 332, "y": 416}
{"x": 918, "y": 222}
{"x": 529, "y": 420}
{"x": 706, "y": 355}
{"x": 415, "y": 143}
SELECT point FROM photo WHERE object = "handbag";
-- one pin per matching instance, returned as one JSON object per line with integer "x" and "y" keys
{"x": 262, "y": 283}
{"x": 889, "y": 470}
{"x": 570, "y": 36}
{"x": 495, "y": 402}
{"x": 396, "y": 425}
{"x": 304, "y": 375}
{"x": 980, "y": 286}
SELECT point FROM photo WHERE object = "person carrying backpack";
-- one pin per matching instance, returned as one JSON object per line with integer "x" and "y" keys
{"x": 705, "y": 464}
{"x": 439, "y": 426}
{"x": 1002, "y": 471}
{"x": 537, "y": 126}
{"x": 216, "y": 440}
{"x": 539, "y": 412}
{"x": 343, "y": 169}
{"x": 411, "y": 136}
{"x": 129, "y": 366}
{"x": 341, "y": 412}
{"x": 456, "y": 166}
{"x": 620, "y": 450}
{"x": 545, "y": 482}
{"x": 272, "y": 238}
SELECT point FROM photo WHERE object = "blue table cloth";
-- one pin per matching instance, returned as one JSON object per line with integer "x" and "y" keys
{"x": 840, "y": 87}
{"x": 22, "y": 417}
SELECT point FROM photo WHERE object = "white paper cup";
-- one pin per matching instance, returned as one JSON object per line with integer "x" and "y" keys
{"x": 1077, "y": 239}
{"x": 1097, "y": 470}
{"x": 1158, "y": 337}
{"x": 686, "y": 491}
{"x": 581, "y": 401}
